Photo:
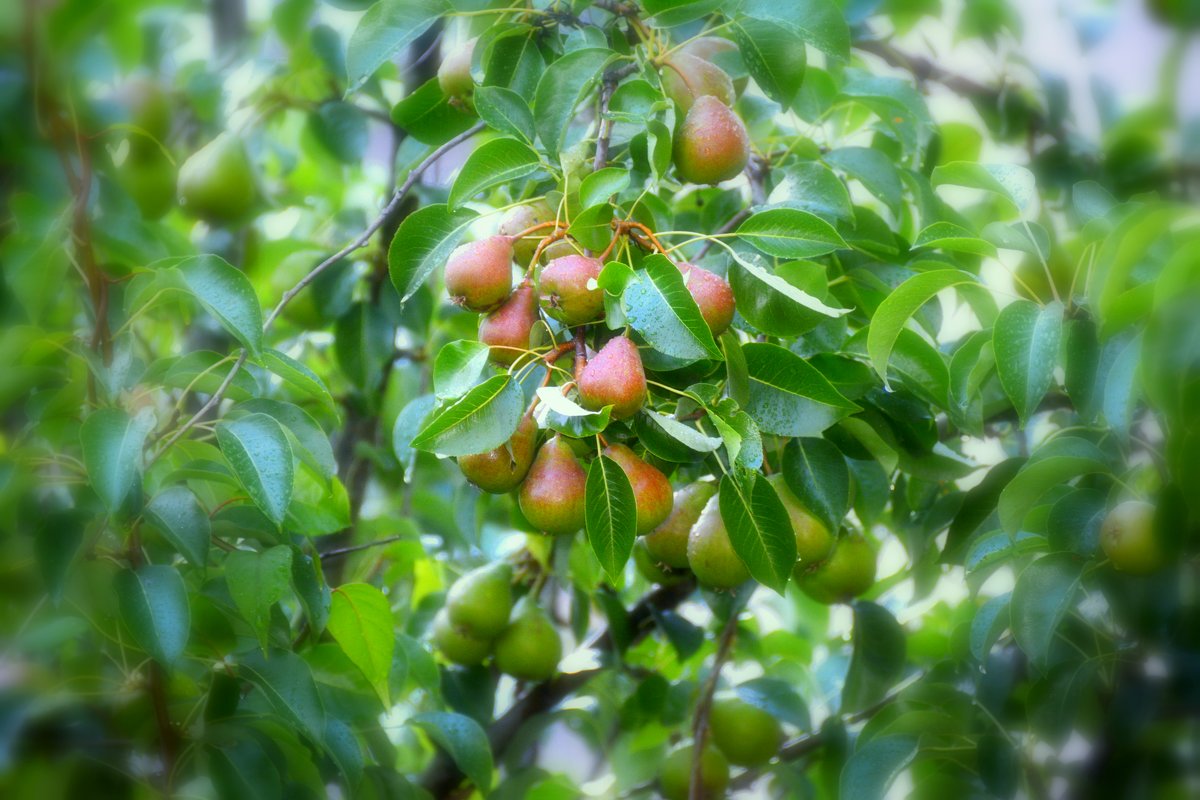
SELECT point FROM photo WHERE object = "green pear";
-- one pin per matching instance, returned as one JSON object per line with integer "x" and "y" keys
{"x": 529, "y": 649}
{"x": 712, "y": 144}
{"x": 669, "y": 541}
{"x": 479, "y": 274}
{"x": 652, "y": 495}
{"x": 710, "y": 552}
{"x": 456, "y": 646}
{"x": 848, "y": 572}
{"x": 522, "y": 218}
{"x": 687, "y": 77}
{"x": 150, "y": 178}
{"x": 676, "y": 776}
{"x": 654, "y": 570}
{"x": 551, "y": 497}
{"x": 564, "y": 291}
{"x": 710, "y": 48}
{"x": 507, "y": 329}
{"x": 746, "y": 735}
{"x": 454, "y": 74}
{"x": 814, "y": 542}
{"x": 1127, "y": 538}
{"x": 149, "y": 107}
{"x": 615, "y": 377}
{"x": 712, "y": 294}
{"x": 217, "y": 182}
{"x": 501, "y": 469}
{"x": 478, "y": 604}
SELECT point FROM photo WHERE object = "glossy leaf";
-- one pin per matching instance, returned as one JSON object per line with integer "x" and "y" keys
{"x": 256, "y": 582}
{"x": 360, "y": 619}
{"x": 261, "y": 456}
{"x": 463, "y": 740}
{"x": 483, "y": 418}
{"x": 788, "y": 396}
{"x": 422, "y": 243}
{"x": 1026, "y": 340}
{"x": 154, "y": 607}
{"x": 816, "y": 472}
{"x": 112, "y": 451}
{"x": 759, "y": 528}
{"x": 226, "y": 293}
{"x": 657, "y": 305}
{"x": 610, "y": 516}
{"x": 790, "y": 233}
{"x": 491, "y": 164}
{"x": 183, "y": 522}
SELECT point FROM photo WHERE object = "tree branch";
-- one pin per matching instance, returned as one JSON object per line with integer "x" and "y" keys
{"x": 704, "y": 706}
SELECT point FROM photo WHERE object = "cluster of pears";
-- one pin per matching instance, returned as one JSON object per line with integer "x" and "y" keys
{"x": 694, "y": 537}
{"x": 480, "y": 620}
{"x": 742, "y": 734}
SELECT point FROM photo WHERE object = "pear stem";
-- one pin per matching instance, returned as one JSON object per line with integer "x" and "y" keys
{"x": 580, "y": 351}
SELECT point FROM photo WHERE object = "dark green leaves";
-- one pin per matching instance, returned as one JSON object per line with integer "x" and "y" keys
{"x": 112, "y": 451}
{"x": 873, "y": 767}
{"x": 561, "y": 87}
{"x": 360, "y": 619}
{"x": 1055, "y": 463}
{"x": 483, "y": 418}
{"x": 261, "y": 456}
{"x": 491, "y": 164}
{"x": 790, "y": 233}
{"x": 154, "y": 606}
{"x": 759, "y": 528}
{"x": 770, "y": 52}
{"x": 388, "y": 26}
{"x": 463, "y": 740}
{"x": 226, "y": 293}
{"x": 258, "y": 581}
{"x": 422, "y": 243}
{"x": 287, "y": 682}
{"x": 818, "y": 22}
{"x": 1025, "y": 341}
{"x": 177, "y": 513}
{"x": 879, "y": 653}
{"x": 457, "y": 368}
{"x": 506, "y": 111}
{"x": 816, "y": 472}
{"x": 610, "y": 515}
{"x": 788, "y": 396}
{"x": 1042, "y": 596}
{"x": 658, "y": 305}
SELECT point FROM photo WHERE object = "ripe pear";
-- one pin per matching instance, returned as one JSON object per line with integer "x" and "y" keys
{"x": 710, "y": 48}
{"x": 814, "y": 542}
{"x": 710, "y": 552}
{"x": 551, "y": 497}
{"x": 478, "y": 603}
{"x": 1127, "y": 538}
{"x": 217, "y": 182}
{"x": 479, "y": 274}
{"x": 529, "y": 649}
{"x": 712, "y": 144}
{"x": 848, "y": 572}
{"x": 652, "y": 495}
{"x": 712, "y": 294}
{"x": 455, "y": 645}
{"x": 654, "y": 570}
{"x": 687, "y": 77}
{"x": 676, "y": 776}
{"x": 669, "y": 541}
{"x": 564, "y": 292}
{"x": 507, "y": 329}
{"x": 614, "y": 376}
{"x": 523, "y": 218}
{"x": 501, "y": 469}
{"x": 454, "y": 74}
{"x": 746, "y": 735}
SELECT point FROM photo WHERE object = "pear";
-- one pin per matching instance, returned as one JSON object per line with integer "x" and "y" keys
{"x": 710, "y": 552}
{"x": 559, "y": 249}
{"x": 478, "y": 604}
{"x": 1128, "y": 539}
{"x": 814, "y": 542}
{"x": 502, "y": 468}
{"x": 687, "y": 77}
{"x": 676, "y": 776}
{"x": 507, "y": 329}
{"x": 712, "y": 144}
{"x": 455, "y": 645}
{"x": 479, "y": 274}
{"x": 454, "y": 74}
{"x": 652, "y": 569}
{"x": 551, "y": 497}
{"x": 564, "y": 292}
{"x": 652, "y": 495}
{"x": 614, "y": 376}
{"x": 521, "y": 219}
{"x": 150, "y": 179}
{"x": 712, "y": 294}
{"x": 848, "y": 572}
{"x": 746, "y": 735}
{"x": 669, "y": 541}
{"x": 529, "y": 649}
{"x": 217, "y": 182}
{"x": 710, "y": 48}
{"x": 149, "y": 107}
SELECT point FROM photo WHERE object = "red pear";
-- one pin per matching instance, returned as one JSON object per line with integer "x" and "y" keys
{"x": 551, "y": 497}
{"x": 712, "y": 294}
{"x": 686, "y": 77}
{"x": 712, "y": 144}
{"x": 651, "y": 490}
{"x": 502, "y": 468}
{"x": 614, "y": 376}
{"x": 507, "y": 329}
{"x": 521, "y": 219}
{"x": 669, "y": 541}
{"x": 479, "y": 274}
{"x": 564, "y": 292}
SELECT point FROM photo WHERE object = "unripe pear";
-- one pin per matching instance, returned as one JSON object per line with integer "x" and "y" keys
{"x": 676, "y": 776}
{"x": 217, "y": 182}
{"x": 668, "y": 542}
{"x": 687, "y": 77}
{"x": 564, "y": 292}
{"x": 710, "y": 552}
{"x": 478, "y": 603}
{"x": 551, "y": 497}
{"x": 746, "y": 735}
{"x": 502, "y": 468}
{"x": 454, "y": 74}
{"x": 479, "y": 274}
{"x": 456, "y": 646}
{"x": 712, "y": 294}
{"x": 1127, "y": 538}
{"x": 654, "y": 570}
{"x": 709, "y": 48}
{"x": 529, "y": 649}
{"x": 848, "y": 572}
{"x": 507, "y": 329}
{"x": 814, "y": 542}
{"x": 150, "y": 179}
{"x": 652, "y": 495}
{"x": 558, "y": 249}
{"x": 712, "y": 144}
{"x": 614, "y": 376}
{"x": 523, "y": 218}
{"x": 149, "y": 107}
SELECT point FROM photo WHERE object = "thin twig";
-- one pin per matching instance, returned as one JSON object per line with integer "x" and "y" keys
{"x": 704, "y": 706}
{"x": 342, "y": 551}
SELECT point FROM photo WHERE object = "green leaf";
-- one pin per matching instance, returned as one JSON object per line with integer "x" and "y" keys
{"x": 226, "y": 293}
{"x": 1053, "y": 465}
{"x": 772, "y": 57}
{"x": 360, "y": 619}
{"x": 904, "y": 301}
{"x": 817, "y": 473}
{"x": 261, "y": 456}
{"x": 1011, "y": 182}
{"x": 429, "y": 117}
{"x": 880, "y": 649}
{"x": 386, "y": 28}
{"x": 311, "y": 588}
{"x": 154, "y": 606}
{"x": 1075, "y": 520}
{"x": 790, "y": 233}
{"x": 286, "y": 680}
{"x": 737, "y": 385}
{"x": 1043, "y": 594}
{"x": 870, "y": 771}
{"x": 342, "y": 129}
{"x": 759, "y": 528}
{"x": 784, "y": 302}
{"x": 422, "y": 243}
{"x": 811, "y": 186}
{"x": 256, "y": 582}
{"x": 408, "y": 422}
{"x": 463, "y": 740}
{"x": 308, "y": 439}
{"x": 243, "y": 769}
{"x": 492, "y": 164}
{"x": 955, "y": 238}
{"x": 112, "y": 451}
{"x": 299, "y": 377}
{"x": 683, "y": 433}
{"x": 779, "y": 698}
{"x": 818, "y": 22}
{"x": 1025, "y": 340}
{"x": 788, "y": 396}
{"x": 457, "y": 368}
{"x": 505, "y": 111}
{"x": 658, "y": 305}
{"x": 183, "y": 522}
{"x": 342, "y": 745}
{"x": 363, "y": 341}
{"x": 592, "y": 227}
{"x": 873, "y": 169}
{"x": 610, "y": 515}
{"x": 483, "y": 418}
{"x": 601, "y": 185}
{"x": 560, "y": 89}
{"x": 988, "y": 623}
